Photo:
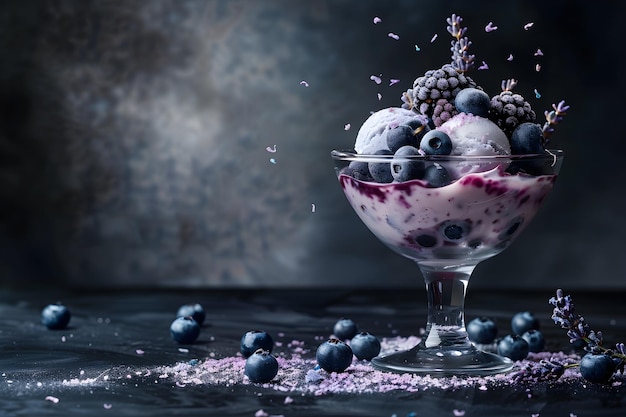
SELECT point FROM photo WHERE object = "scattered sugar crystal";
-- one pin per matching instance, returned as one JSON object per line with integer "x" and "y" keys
{"x": 458, "y": 413}
{"x": 433, "y": 38}
{"x": 261, "y": 413}
{"x": 183, "y": 350}
{"x": 376, "y": 79}
{"x": 483, "y": 66}
{"x": 304, "y": 83}
{"x": 52, "y": 399}
{"x": 528, "y": 25}
{"x": 377, "y": 20}
{"x": 490, "y": 27}
{"x": 393, "y": 36}
{"x": 347, "y": 126}
{"x": 510, "y": 58}
{"x": 139, "y": 352}
{"x": 107, "y": 406}
{"x": 288, "y": 400}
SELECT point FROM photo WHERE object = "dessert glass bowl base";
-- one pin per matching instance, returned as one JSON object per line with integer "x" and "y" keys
{"x": 442, "y": 361}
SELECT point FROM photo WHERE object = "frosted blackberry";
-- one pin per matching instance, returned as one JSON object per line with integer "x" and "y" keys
{"x": 509, "y": 109}
{"x": 433, "y": 93}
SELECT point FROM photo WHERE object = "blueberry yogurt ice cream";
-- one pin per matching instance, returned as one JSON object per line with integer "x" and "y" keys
{"x": 452, "y": 173}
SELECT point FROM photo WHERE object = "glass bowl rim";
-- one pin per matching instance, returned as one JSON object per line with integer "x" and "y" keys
{"x": 351, "y": 155}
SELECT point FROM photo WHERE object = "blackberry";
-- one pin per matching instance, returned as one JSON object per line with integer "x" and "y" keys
{"x": 433, "y": 93}
{"x": 509, "y": 110}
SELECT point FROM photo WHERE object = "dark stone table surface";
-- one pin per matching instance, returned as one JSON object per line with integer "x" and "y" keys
{"x": 111, "y": 359}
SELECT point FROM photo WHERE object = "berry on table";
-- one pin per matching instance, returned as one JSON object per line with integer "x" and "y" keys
{"x": 55, "y": 316}
{"x": 194, "y": 310}
{"x": 345, "y": 329}
{"x": 474, "y": 101}
{"x": 513, "y": 347}
{"x": 261, "y": 366}
{"x": 597, "y": 368}
{"x": 255, "y": 339}
{"x": 536, "y": 341}
{"x": 482, "y": 330}
{"x": 334, "y": 355}
{"x": 436, "y": 142}
{"x": 365, "y": 346}
{"x": 523, "y": 322}
{"x": 185, "y": 330}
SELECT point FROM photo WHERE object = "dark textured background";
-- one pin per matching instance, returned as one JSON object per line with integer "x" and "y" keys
{"x": 133, "y": 137}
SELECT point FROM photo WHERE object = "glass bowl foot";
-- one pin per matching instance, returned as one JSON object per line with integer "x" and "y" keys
{"x": 443, "y": 361}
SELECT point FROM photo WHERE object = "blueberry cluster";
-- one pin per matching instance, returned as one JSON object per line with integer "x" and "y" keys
{"x": 256, "y": 346}
{"x": 525, "y": 335}
{"x": 398, "y": 162}
{"x": 185, "y": 329}
{"x": 335, "y": 354}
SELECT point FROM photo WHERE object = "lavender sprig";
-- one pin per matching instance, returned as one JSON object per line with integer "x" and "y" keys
{"x": 462, "y": 60}
{"x": 577, "y": 328}
{"x": 553, "y": 117}
{"x": 544, "y": 370}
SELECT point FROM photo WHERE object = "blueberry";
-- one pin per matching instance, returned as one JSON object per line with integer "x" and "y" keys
{"x": 365, "y": 346}
{"x": 334, "y": 355}
{"x": 523, "y": 322}
{"x": 527, "y": 138}
{"x": 436, "y": 142}
{"x": 400, "y": 136}
{"x": 55, "y": 316}
{"x": 359, "y": 170}
{"x": 407, "y": 169}
{"x": 254, "y": 340}
{"x": 474, "y": 101}
{"x": 381, "y": 171}
{"x": 185, "y": 330}
{"x": 345, "y": 329}
{"x": 597, "y": 368}
{"x": 261, "y": 366}
{"x": 536, "y": 341}
{"x": 455, "y": 231}
{"x": 512, "y": 227}
{"x": 194, "y": 310}
{"x": 437, "y": 176}
{"x": 482, "y": 330}
{"x": 513, "y": 347}
{"x": 426, "y": 240}
{"x": 420, "y": 126}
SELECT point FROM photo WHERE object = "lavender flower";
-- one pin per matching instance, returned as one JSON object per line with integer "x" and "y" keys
{"x": 462, "y": 60}
{"x": 553, "y": 117}
{"x": 577, "y": 328}
{"x": 544, "y": 370}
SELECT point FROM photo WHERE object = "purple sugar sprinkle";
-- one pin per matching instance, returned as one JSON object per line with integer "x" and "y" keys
{"x": 483, "y": 66}
{"x": 510, "y": 58}
{"x": 299, "y": 373}
{"x": 393, "y": 81}
{"x": 490, "y": 27}
{"x": 393, "y": 36}
{"x": 433, "y": 38}
{"x": 376, "y": 79}
{"x": 377, "y": 20}
{"x": 528, "y": 25}
{"x": 539, "y": 52}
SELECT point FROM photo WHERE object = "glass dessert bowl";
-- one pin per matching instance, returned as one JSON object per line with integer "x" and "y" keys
{"x": 465, "y": 209}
